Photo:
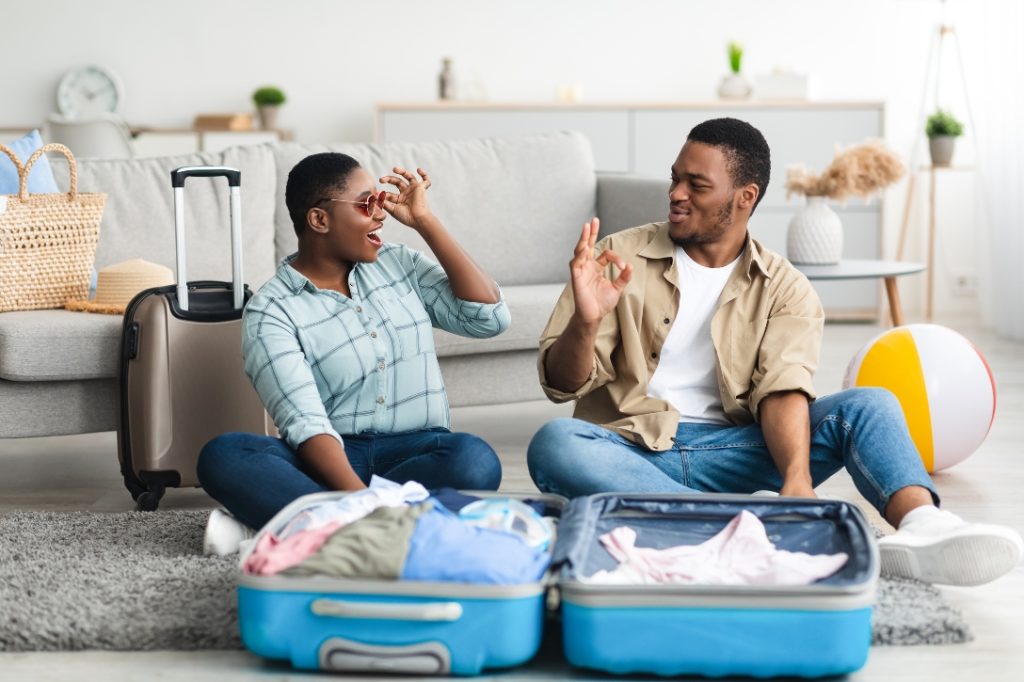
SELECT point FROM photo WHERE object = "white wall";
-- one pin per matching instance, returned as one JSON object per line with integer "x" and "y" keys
{"x": 335, "y": 58}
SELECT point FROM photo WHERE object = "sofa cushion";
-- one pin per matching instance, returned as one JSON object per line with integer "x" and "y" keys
{"x": 516, "y": 204}
{"x": 138, "y": 221}
{"x": 530, "y": 306}
{"x": 40, "y": 177}
{"x": 55, "y": 408}
{"x": 53, "y": 345}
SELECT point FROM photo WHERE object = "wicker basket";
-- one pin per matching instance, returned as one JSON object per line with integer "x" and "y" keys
{"x": 47, "y": 241}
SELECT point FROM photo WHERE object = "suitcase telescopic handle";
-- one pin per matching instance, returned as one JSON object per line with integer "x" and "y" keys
{"x": 234, "y": 176}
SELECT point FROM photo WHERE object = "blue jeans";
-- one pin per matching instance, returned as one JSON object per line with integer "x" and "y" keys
{"x": 861, "y": 429}
{"x": 256, "y": 476}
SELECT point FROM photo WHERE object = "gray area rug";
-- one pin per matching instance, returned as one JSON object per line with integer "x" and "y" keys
{"x": 138, "y": 581}
{"x": 127, "y": 582}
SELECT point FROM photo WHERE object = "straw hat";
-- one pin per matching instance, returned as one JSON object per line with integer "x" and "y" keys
{"x": 117, "y": 285}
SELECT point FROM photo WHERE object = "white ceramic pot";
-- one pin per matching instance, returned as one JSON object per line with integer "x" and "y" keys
{"x": 734, "y": 86}
{"x": 268, "y": 115}
{"x": 941, "y": 149}
{"x": 815, "y": 235}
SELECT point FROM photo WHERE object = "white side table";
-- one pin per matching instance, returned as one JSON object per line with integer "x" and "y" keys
{"x": 887, "y": 270}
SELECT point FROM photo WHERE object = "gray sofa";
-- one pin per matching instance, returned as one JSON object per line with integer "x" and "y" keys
{"x": 516, "y": 204}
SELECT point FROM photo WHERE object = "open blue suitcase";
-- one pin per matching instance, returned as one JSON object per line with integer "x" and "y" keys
{"x": 449, "y": 628}
{"x": 762, "y": 631}
{"x": 336, "y": 624}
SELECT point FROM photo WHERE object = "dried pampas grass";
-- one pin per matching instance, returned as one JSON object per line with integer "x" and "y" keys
{"x": 860, "y": 171}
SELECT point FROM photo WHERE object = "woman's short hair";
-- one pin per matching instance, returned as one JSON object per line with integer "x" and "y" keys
{"x": 314, "y": 179}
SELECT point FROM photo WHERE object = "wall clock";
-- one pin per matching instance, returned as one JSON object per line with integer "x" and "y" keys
{"x": 88, "y": 91}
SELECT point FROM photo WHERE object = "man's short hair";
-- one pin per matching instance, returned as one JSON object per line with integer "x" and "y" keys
{"x": 747, "y": 155}
{"x": 314, "y": 179}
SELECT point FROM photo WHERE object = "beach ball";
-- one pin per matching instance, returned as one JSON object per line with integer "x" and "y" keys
{"x": 942, "y": 382}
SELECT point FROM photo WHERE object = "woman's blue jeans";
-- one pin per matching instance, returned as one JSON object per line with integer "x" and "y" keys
{"x": 861, "y": 429}
{"x": 256, "y": 476}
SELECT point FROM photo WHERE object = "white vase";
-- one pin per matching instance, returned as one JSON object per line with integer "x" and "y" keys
{"x": 268, "y": 115}
{"x": 941, "y": 148}
{"x": 734, "y": 86}
{"x": 815, "y": 235}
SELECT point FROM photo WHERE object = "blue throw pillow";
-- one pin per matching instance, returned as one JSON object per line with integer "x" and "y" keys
{"x": 40, "y": 180}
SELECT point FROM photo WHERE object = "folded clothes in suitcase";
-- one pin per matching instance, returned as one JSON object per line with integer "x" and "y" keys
{"x": 420, "y": 627}
{"x": 823, "y": 628}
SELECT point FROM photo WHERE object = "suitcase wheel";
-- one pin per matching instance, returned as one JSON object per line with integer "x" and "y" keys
{"x": 150, "y": 499}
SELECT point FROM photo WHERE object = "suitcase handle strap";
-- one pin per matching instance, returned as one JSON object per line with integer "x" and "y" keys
{"x": 426, "y": 612}
{"x": 234, "y": 176}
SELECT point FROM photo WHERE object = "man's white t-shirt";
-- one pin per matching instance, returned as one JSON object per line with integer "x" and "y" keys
{"x": 685, "y": 375}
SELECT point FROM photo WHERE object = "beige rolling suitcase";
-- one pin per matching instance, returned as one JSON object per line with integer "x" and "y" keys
{"x": 182, "y": 379}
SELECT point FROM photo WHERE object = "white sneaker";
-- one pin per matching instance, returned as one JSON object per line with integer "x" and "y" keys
{"x": 943, "y": 548}
{"x": 225, "y": 534}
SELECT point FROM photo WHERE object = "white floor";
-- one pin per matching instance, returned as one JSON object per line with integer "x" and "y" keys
{"x": 80, "y": 473}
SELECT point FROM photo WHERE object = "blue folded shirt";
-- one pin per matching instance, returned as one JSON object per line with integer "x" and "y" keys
{"x": 444, "y": 548}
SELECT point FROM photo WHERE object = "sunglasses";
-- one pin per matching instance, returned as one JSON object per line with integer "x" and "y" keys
{"x": 367, "y": 206}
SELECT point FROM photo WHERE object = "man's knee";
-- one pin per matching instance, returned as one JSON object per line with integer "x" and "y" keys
{"x": 874, "y": 399}
{"x": 550, "y": 440}
{"x": 551, "y": 451}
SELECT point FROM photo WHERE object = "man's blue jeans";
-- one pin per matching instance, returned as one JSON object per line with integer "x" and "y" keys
{"x": 256, "y": 476}
{"x": 861, "y": 429}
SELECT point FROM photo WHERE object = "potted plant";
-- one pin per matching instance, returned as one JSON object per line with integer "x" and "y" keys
{"x": 942, "y": 130}
{"x": 268, "y": 100}
{"x": 815, "y": 235}
{"x": 734, "y": 85}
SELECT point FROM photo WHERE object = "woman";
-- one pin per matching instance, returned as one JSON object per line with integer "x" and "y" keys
{"x": 339, "y": 347}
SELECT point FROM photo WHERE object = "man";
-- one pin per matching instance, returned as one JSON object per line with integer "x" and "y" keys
{"x": 690, "y": 349}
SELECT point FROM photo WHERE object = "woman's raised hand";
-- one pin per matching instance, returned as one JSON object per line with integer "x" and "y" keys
{"x": 409, "y": 205}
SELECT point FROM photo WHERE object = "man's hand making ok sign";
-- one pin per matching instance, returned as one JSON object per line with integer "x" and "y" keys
{"x": 594, "y": 293}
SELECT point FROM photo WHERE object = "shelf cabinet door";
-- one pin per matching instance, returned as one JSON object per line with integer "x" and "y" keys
{"x": 151, "y": 144}
{"x": 607, "y": 130}
{"x": 219, "y": 140}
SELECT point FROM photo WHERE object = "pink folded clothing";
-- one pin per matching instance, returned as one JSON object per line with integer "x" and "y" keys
{"x": 741, "y": 554}
{"x": 272, "y": 554}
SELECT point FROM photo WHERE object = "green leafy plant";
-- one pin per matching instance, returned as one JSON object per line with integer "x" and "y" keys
{"x": 268, "y": 95}
{"x": 735, "y": 56}
{"x": 943, "y": 123}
